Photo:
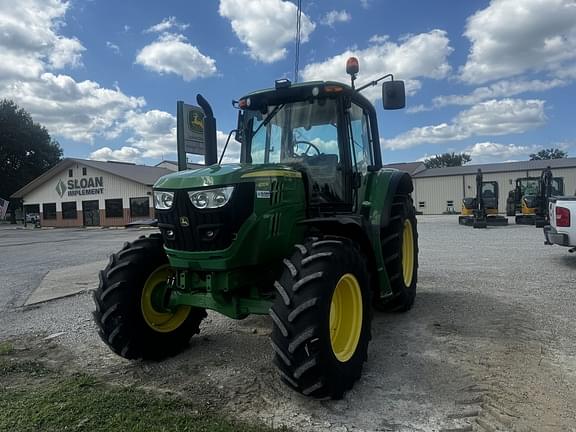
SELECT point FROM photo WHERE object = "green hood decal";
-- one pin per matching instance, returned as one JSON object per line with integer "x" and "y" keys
{"x": 218, "y": 175}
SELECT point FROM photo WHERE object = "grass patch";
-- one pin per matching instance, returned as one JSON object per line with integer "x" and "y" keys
{"x": 82, "y": 403}
{"x": 29, "y": 368}
{"x": 6, "y": 348}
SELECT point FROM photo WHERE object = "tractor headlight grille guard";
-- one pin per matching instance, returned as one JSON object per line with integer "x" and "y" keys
{"x": 187, "y": 227}
{"x": 211, "y": 198}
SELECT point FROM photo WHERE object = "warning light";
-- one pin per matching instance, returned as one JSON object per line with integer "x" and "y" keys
{"x": 352, "y": 66}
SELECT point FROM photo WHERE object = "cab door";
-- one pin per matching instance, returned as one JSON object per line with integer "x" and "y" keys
{"x": 360, "y": 148}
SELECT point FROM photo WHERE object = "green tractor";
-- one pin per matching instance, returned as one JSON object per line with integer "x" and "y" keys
{"x": 308, "y": 228}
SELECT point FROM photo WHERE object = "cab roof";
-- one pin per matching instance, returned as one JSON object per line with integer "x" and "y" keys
{"x": 300, "y": 91}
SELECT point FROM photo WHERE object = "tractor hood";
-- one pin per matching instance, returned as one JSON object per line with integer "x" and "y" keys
{"x": 220, "y": 175}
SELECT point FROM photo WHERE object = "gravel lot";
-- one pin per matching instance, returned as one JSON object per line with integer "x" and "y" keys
{"x": 489, "y": 345}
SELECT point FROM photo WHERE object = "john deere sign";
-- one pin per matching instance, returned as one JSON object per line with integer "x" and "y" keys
{"x": 190, "y": 126}
{"x": 83, "y": 186}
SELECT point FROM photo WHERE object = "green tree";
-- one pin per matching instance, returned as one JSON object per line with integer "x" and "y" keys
{"x": 447, "y": 160}
{"x": 551, "y": 153}
{"x": 26, "y": 149}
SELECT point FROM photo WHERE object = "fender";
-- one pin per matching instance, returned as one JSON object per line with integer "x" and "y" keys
{"x": 379, "y": 191}
{"x": 400, "y": 183}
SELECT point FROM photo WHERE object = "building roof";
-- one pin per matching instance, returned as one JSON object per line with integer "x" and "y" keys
{"x": 411, "y": 168}
{"x": 498, "y": 167}
{"x": 143, "y": 174}
{"x": 173, "y": 165}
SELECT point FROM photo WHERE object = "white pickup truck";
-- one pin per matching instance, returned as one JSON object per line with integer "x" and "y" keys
{"x": 562, "y": 228}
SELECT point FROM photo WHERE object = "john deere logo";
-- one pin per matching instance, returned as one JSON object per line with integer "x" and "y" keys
{"x": 61, "y": 188}
{"x": 196, "y": 121}
{"x": 184, "y": 221}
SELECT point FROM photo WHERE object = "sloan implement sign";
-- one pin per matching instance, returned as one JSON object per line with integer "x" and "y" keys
{"x": 83, "y": 186}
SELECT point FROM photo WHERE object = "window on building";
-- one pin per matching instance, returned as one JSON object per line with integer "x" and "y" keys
{"x": 450, "y": 203}
{"x": 139, "y": 207}
{"x": 83, "y": 171}
{"x": 421, "y": 204}
{"x": 70, "y": 173}
{"x": 113, "y": 207}
{"x": 69, "y": 210}
{"x": 49, "y": 211}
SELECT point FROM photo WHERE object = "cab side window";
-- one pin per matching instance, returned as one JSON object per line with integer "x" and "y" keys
{"x": 360, "y": 138}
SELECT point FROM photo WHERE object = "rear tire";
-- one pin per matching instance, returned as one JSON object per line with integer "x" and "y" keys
{"x": 540, "y": 222}
{"x": 403, "y": 281}
{"x": 322, "y": 318}
{"x": 121, "y": 304}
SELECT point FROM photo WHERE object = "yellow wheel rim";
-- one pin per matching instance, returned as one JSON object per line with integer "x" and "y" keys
{"x": 162, "y": 322}
{"x": 407, "y": 253}
{"x": 346, "y": 317}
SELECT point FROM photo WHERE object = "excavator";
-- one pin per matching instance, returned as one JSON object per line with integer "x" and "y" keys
{"x": 482, "y": 210}
{"x": 528, "y": 201}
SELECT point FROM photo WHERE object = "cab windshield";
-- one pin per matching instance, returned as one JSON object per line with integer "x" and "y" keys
{"x": 304, "y": 134}
{"x": 530, "y": 186}
{"x": 294, "y": 132}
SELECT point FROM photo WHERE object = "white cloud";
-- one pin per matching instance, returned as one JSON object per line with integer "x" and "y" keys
{"x": 510, "y": 37}
{"x": 365, "y": 4}
{"x": 172, "y": 53}
{"x": 165, "y": 25}
{"x": 79, "y": 111}
{"x": 379, "y": 39}
{"x": 417, "y": 108}
{"x": 568, "y": 71}
{"x": 416, "y": 56}
{"x": 155, "y": 136}
{"x": 265, "y": 26}
{"x": 66, "y": 52}
{"x": 504, "y": 88}
{"x": 335, "y": 16}
{"x": 494, "y": 117}
{"x": 154, "y": 132}
{"x": 232, "y": 152}
{"x": 488, "y": 152}
{"x": 30, "y": 43}
{"x": 125, "y": 154}
{"x": 115, "y": 48}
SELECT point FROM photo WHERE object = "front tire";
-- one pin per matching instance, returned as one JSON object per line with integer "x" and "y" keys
{"x": 127, "y": 314}
{"x": 322, "y": 318}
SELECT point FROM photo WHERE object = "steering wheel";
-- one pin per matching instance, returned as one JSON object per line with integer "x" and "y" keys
{"x": 310, "y": 145}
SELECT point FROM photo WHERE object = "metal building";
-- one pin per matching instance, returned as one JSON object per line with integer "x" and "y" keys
{"x": 78, "y": 192}
{"x": 441, "y": 190}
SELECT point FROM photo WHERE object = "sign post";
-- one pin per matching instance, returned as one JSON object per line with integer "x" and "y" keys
{"x": 190, "y": 132}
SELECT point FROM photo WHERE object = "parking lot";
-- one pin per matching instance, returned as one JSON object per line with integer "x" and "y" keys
{"x": 489, "y": 345}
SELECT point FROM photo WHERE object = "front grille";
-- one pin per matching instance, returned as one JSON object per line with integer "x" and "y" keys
{"x": 208, "y": 229}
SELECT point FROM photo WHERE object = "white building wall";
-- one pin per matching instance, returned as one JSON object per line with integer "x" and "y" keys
{"x": 435, "y": 191}
{"x": 114, "y": 187}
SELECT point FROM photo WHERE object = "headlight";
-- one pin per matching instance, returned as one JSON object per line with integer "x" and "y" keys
{"x": 163, "y": 200}
{"x": 211, "y": 198}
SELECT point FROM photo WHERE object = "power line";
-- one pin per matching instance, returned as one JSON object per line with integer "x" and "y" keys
{"x": 298, "y": 37}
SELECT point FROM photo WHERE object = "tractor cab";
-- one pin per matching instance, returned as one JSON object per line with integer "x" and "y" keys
{"x": 325, "y": 130}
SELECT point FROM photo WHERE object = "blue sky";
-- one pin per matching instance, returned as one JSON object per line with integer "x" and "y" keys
{"x": 492, "y": 78}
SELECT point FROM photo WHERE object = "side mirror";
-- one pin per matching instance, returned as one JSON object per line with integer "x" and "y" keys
{"x": 239, "y": 134}
{"x": 393, "y": 95}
